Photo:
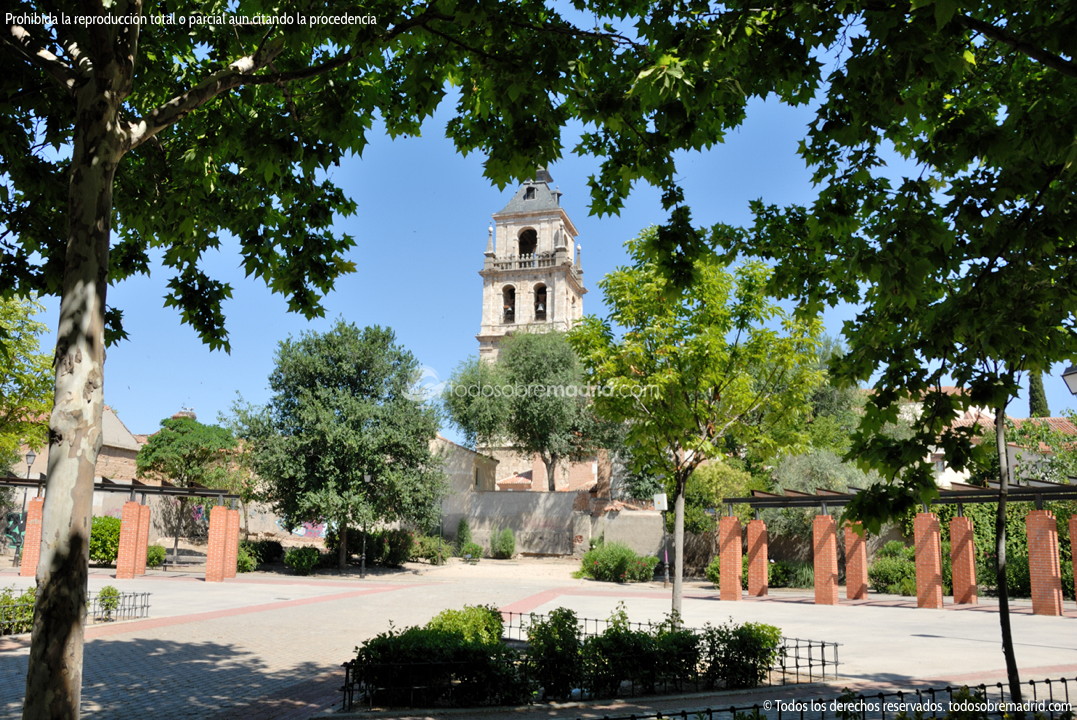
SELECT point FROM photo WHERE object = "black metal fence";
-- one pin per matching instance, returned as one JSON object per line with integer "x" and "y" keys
{"x": 17, "y": 616}
{"x": 798, "y": 660}
{"x": 425, "y": 684}
{"x": 123, "y": 606}
{"x": 1052, "y": 699}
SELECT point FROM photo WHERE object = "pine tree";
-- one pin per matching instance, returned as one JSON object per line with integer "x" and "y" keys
{"x": 1037, "y": 398}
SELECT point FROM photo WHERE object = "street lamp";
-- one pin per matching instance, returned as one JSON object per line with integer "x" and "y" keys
{"x": 30, "y": 457}
{"x": 1070, "y": 376}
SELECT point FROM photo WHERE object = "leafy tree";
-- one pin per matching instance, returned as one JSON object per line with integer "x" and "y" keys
{"x": 1045, "y": 453}
{"x": 1037, "y": 398}
{"x": 705, "y": 490}
{"x": 25, "y": 380}
{"x": 124, "y": 139}
{"x": 695, "y": 364}
{"x": 185, "y": 453}
{"x": 533, "y": 397}
{"x": 956, "y": 255}
{"x": 344, "y": 438}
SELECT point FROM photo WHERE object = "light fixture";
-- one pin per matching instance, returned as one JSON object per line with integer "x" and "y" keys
{"x": 1070, "y": 376}
{"x": 30, "y": 457}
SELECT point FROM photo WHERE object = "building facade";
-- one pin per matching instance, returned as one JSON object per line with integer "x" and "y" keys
{"x": 532, "y": 278}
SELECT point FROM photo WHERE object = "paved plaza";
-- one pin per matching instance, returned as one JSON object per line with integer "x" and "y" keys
{"x": 269, "y": 646}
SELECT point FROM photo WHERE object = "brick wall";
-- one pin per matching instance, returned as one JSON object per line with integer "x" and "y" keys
{"x": 1043, "y": 562}
{"x": 856, "y": 563}
{"x": 963, "y": 561}
{"x": 31, "y": 547}
{"x": 758, "y": 558}
{"x": 218, "y": 541}
{"x": 825, "y": 547}
{"x": 731, "y": 553}
{"x": 928, "y": 561}
{"x": 130, "y": 531}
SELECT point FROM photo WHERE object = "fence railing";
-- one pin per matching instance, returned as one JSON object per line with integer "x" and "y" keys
{"x": 798, "y": 660}
{"x": 427, "y": 683}
{"x": 1051, "y": 699}
{"x": 17, "y": 617}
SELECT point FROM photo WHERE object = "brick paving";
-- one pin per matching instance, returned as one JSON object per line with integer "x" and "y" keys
{"x": 269, "y": 647}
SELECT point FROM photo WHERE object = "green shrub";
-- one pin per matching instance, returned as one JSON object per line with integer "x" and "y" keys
{"x": 246, "y": 560}
{"x": 471, "y": 551}
{"x": 266, "y": 551}
{"x": 616, "y": 562}
{"x": 896, "y": 549}
{"x": 738, "y": 656}
{"x": 432, "y": 549}
{"x": 302, "y": 560}
{"x": 463, "y": 534}
{"x": 553, "y": 653}
{"x": 475, "y": 623}
{"x": 396, "y": 548}
{"x": 424, "y": 666}
{"x": 714, "y": 571}
{"x": 108, "y": 601}
{"x": 791, "y": 573}
{"x": 619, "y": 654}
{"x": 503, "y": 544}
{"x": 155, "y": 556}
{"x": 1018, "y": 577}
{"x": 16, "y": 610}
{"x": 892, "y": 574}
{"x": 104, "y": 540}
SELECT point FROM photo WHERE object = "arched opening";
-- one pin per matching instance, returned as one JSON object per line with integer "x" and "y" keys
{"x": 508, "y": 298}
{"x": 540, "y": 303}
{"x": 528, "y": 242}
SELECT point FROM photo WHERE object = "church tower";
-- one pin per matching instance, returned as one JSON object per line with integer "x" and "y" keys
{"x": 531, "y": 275}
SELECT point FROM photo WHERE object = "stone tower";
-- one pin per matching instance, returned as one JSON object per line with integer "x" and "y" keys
{"x": 531, "y": 275}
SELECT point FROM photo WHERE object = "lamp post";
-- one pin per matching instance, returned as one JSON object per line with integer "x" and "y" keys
{"x": 30, "y": 457}
{"x": 1070, "y": 376}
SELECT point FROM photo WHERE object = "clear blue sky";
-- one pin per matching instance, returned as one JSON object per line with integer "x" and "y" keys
{"x": 421, "y": 231}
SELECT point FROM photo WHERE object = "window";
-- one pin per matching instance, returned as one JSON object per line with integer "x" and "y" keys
{"x": 529, "y": 193}
{"x": 508, "y": 298}
{"x": 528, "y": 242}
{"x": 540, "y": 303}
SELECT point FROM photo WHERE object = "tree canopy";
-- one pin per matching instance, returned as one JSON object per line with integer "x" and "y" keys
{"x": 687, "y": 367}
{"x": 346, "y": 438}
{"x": 25, "y": 379}
{"x": 533, "y": 397}
{"x": 185, "y": 452}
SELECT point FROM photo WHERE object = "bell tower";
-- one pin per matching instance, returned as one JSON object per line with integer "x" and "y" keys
{"x": 531, "y": 275}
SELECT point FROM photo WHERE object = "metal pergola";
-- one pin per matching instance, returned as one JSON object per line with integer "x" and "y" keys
{"x": 1036, "y": 491}
{"x": 133, "y": 488}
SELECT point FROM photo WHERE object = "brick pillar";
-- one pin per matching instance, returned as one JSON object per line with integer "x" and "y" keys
{"x": 928, "y": 560}
{"x": 218, "y": 544}
{"x": 127, "y": 557}
{"x": 825, "y": 547}
{"x": 731, "y": 554}
{"x": 856, "y": 563}
{"x": 232, "y": 547}
{"x": 963, "y": 560}
{"x": 758, "y": 558}
{"x": 31, "y": 542}
{"x": 1073, "y": 549}
{"x": 1043, "y": 562}
{"x": 143, "y": 539}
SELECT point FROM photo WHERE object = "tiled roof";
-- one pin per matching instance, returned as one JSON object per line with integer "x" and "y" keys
{"x": 542, "y": 197}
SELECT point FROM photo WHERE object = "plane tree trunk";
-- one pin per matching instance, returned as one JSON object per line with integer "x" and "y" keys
{"x": 54, "y": 676}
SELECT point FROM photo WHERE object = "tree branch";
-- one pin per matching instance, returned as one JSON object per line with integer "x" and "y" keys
{"x": 1055, "y": 62}
{"x": 21, "y": 41}
{"x": 241, "y": 72}
{"x": 221, "y": 81}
